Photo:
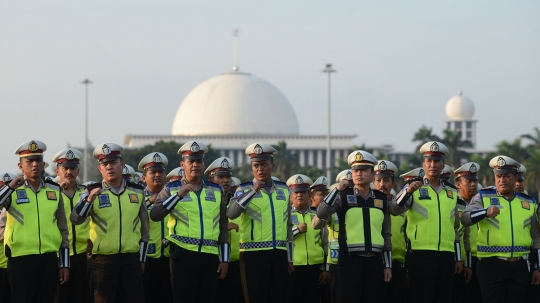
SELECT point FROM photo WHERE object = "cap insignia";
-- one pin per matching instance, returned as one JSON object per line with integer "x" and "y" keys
{"x": 258, "y": 149}
{"x": 225, "y": 164}
{"x": 501, "y": 162}
{"x": 434, "y": 147}
{"x": 382, "y": 165}
{"x": 70, "y": 155}
{"x": 195, "y": 147}
{"x": 157, "y": 158}
{"x": 421, "y": 173}
{"x": 299, "y": 180}
{"x": 33, "y": 147}
{"x": 125, "y": 171}
{"x": 6, "y": 178}
{"x": 473, "y": 169}
{"x": 358, "y": 157}
{"x": 348, "y": 175}
{"x": 324, "y": 181}
{"x": 136, "y": 178}
{"x": 106, "y": 150}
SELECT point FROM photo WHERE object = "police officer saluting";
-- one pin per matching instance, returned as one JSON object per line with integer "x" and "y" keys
{"x": 265, "y": 227}
{"x": 365, "y": 248}
{"x": 197, "y": 228}
{"x": 432, "y": 228}
{"x": 118, "y": 230}
{"x": 67, "y": 169}
{"x": 507, "y": 225}
{"x": 175, "y": 174}
{"x": 36, "y": 229}
{"x": 157, "y": 274}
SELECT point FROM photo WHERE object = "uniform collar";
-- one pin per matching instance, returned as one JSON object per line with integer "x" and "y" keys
{"x": 184, "y": 181}
{"x": 426, "y": 182}
{"x": 106, "y": 185}
{"x": 27, "y": 184}
{"x": 272, "y": 188}
{"x": 307, "y": 210}
{"x": 358, "y": 193}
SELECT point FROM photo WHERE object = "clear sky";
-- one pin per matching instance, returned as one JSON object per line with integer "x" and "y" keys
{"x": 398, "y": 63}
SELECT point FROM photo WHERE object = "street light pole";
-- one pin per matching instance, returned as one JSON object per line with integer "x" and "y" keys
{"x": 328, "y": 70}
{"x": 85, "y": 165}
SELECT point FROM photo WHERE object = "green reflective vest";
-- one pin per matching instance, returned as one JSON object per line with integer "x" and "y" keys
{"x": 78, "y": 234}
{"x": 308, "y": 248}
{"x": 158, "y": 232}
{"x": 194, "y": 221}
{"x": 508, "y": 235}
{"x": 472, "y": 235}
{"x": 115, "y": 226}
{"x": 399, "y": 244}
{"x": 333, "y": 244}
{"x": 234, "y": 241}
{"x": 263, "y": 226}
{"x": 431, "y": 219}
{"x": 31, "y": 226}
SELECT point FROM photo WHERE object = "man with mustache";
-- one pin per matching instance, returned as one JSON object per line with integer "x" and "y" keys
{"x": 67, "y": 169}
{"x": 507, "y": 225}
{"x": 36, "y": 229}
{"x": 198, "y": 234}
{"x": 157, "y": 274}
{"x": 118, "y": 230}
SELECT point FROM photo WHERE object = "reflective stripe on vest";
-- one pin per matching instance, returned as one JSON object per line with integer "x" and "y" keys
{"x": 399, "y": 245}
{"x": 31, "y": 226}
{"x": 509, "y": 234}
{"x": 431, "y": 219}
{"x": 158, "y": 232}
{"x": 307, "y": 246}
{"x": 263, "y": 226}
{"x": 194, "y": 222}
{"x": 333, "y": 244}
{"x": 78, "y": 234}
{"x": 115, "y": 226}
{"x": 234, "y": 241}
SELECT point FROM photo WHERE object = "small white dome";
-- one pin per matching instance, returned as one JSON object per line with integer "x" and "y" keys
{"x": 460, "y": 108}
{"x": 235, "y": 103}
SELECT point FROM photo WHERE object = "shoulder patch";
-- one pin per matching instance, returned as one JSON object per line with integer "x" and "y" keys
{"x": 246, "y": 184}
{"x": 51, "y": 185}
{"x": 280, "y": 183}
{"x": 134, "y": 185}
{"x": 212, "y": 184}
{"x": 448, "y": 184}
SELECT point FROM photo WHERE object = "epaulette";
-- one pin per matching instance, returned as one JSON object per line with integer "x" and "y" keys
{"x": 212, "y": 184}
{"x": 461, "y": 202}
{"x": 175, "y": 183}
{"x": 281, "y": 185}
{"x": 134, "y": 185}
{"x": 52, "y": 185}
{"x": 91, "y": 187}
{"x": 379, "y": 194}
{"x": 448, "y": 184}
{"x": 245, "y": 184}
{"x": 526, "y": 197}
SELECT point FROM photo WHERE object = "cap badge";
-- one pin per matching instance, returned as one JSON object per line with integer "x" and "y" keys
{"x": 501, "y": 162}
{"x": 299, "y": 180}
{"x": 421, "y": 173}
{"x": 324, "y": 181}
{"x": 106, "y": 150}
{"x": 382, "y": 165}
{"x": 195, "y": 147}
{"x": 33, "y": 147}
{"x": 157, "y": 158}
{"x": 125, "y": 171}
{"x": 70, "y": 155}
{"x": 6, "y": 178}
{"x": 136, "y": 178}
{"x": 473, "y": 169}
{"x": 434, "y": 147}
{"x": 225, "y": 164}
{"x": 181, "y": 172}
{"x": 348, "y": 176}
{"x": 358, "y": 157}
{"x": 258, "y": 149}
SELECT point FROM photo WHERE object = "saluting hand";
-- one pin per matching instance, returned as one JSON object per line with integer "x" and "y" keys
{"x": 93, "y": 194}
{"x": 343, "y": 184}
{"x": 302, "y": 227}
{"x": 232, "y": 226}
{"x": 414, "y": 186}
{"x": 257, "y": 185}
{"x": 16, "y": 182}
{"x": 185, "y": 189}
{"x": 64, "y": 184}
{"x": 492, "y": 211}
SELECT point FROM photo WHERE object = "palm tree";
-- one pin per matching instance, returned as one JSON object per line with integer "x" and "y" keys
{"x": 513, "y": 149}
{"x": 456, "y": 146}
{"x": 423, "y": 135}
{"x": 535, "y": 138}
{"x": 485, "y": 173}
{"x": 286, "y": 163}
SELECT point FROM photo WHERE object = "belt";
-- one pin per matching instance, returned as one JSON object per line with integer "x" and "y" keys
{"x": 511, "y": 259}
{"x": 367, "y": 255}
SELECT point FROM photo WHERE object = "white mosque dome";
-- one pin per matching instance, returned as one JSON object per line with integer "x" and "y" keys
{"x": 460, "y": 107}
{"x": 235, "y": 103}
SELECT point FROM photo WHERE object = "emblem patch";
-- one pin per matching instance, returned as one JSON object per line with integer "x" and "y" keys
{"x": 358, "y": 157}
{"x": 424, "y": 193}
{"x": 450, "y": 194}
{"x": 473, "y": 169}
{"x": 225, "y": 164}
{"x": 104, "y": 201}
{"x": 210, "y": 196}
{"x": 133, "y": 198}
{"x": 525, "y": 205}
{"x": 299, "y": 180}
{"x": 258, "y": 149}
{"x": 378, "y": 203}
{"x": 501, "y": 162}
{"x": 351, "y": 200}
{"x": 280, "y": 195}
{"x": 294, "y": 219}
{"x": 195, "y": 147}
{"x": 33, "y": 147}
{"x": 106, "y": 150}
{"x": 51, "y": 195}
{"x": 157, "y": 158}
{"x": 495, "y": 202}
{"x": 382, "y": 165}
{"x": 22, "y": 197}
{"x": 70, "y": 155}
{"x": 434, "y": 147}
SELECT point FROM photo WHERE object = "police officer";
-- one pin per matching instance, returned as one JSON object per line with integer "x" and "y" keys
{"x": 266, "y": 238}
{"x": 317, "y": 192}
{"x": 128, "y": 173}
{"x": 118, "y": 230}
{"x": 311, "y": 245}
{"x": 432, "y": 228}
{"x": 197, "y": 228}
{"x": 385, "y": 172}
{"x": 365, "y": 248}
{"x": 67, "y": 170}
{"x": 175, "y": 174}
{"x": 520, "y": 183}
{"x": 467, "y": 184}
{"x": 138, "y": 178}
{"x": 157, "y": 274}
{"x": 5, "y": 288}
{"x": 235, "y": 183}
{"x": 36, "y": 229}
{"x": 446, "y": 175}
{"x": 507, "y": 225}
{"x": 230, "y": 288}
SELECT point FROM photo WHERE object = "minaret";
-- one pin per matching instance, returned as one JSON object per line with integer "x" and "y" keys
{"x": 460, "y": 112}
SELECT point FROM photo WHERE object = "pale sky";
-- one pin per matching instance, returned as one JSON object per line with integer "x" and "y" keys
{"x": 398, "y": 63}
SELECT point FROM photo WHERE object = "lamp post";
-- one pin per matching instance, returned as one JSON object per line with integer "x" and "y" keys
{"x": 86, "y": 82}
{"x": 328, "y": 70}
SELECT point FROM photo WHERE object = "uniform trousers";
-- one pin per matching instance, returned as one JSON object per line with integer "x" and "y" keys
{"x": 472, "y": 293}
{"x": 194, "y": 275}
{"x": 459, "y": 287}
{"x": 116, "y": 278}
{"x": 334, "y": 282}
{"x": 323, "y": 292}
{"x": 304, "y": 284}
{"x": 360, "y": 278}
{"x": 5, "y": 288}
{"x": 77, "y": 289}
{"x": 33, "y": 278}
{"x": 266, "y": 275}
{"x": 533, "y": 291}
{"x": 431, "y": 276}
{"x": 501, "y": 280}
{"x": 230, "y": 289}
{"x": 157, "y": 280}
{"x": 395, "y": 291}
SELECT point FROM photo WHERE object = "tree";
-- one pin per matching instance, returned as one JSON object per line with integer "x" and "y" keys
{"x": 532, "y": 177}
{"x": 286, "y": 162}
{"x": 456, "y": 146}
{"x": 423, "y": 135}
{"x": 535, "y": 138}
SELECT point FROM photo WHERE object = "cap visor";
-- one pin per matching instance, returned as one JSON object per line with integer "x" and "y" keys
{"x": 298, "y": 189}
{"x": 434, "y": 157}
{"x": 33, "y": 157}
{"x": 110, "y": 158}
{"x": 193, "y": 157}
{"x": 357, "y": 167}
{"x": 468, "y": 177}
{"x": 260, "y": 158}
{"x": 156, "y": 168}
{"x": 223, "y": 173}
{"x": 499, "y": 171}
{"x": 68, "y": 164}
{"x": 384, "y": 175}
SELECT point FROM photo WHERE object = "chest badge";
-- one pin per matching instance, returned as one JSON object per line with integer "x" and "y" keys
{"x": 280, "y": 195}
{"x": 496, "y": 203}
{"x": 378, "y": 203}
{"x": 450, "y": 194}
{"x": 22, "y": 197}
{"x": 104, "y": 201}
{"x": 210, "y": 196}
{"x": 294, "y": 219}
{"x": 51, "y": 195}
{"x": 525, "y": 205}
{"x": 133, "y": 198}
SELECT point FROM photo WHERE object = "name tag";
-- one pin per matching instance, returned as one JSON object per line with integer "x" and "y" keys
{"x": 294, "y": 219}
{"x": 210, "y": 196}
{"x": 351, "y": 200}
{"x": 280, "y": 195}
{"x": 22, "y": 197}
{"x": 104, "y": 201}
